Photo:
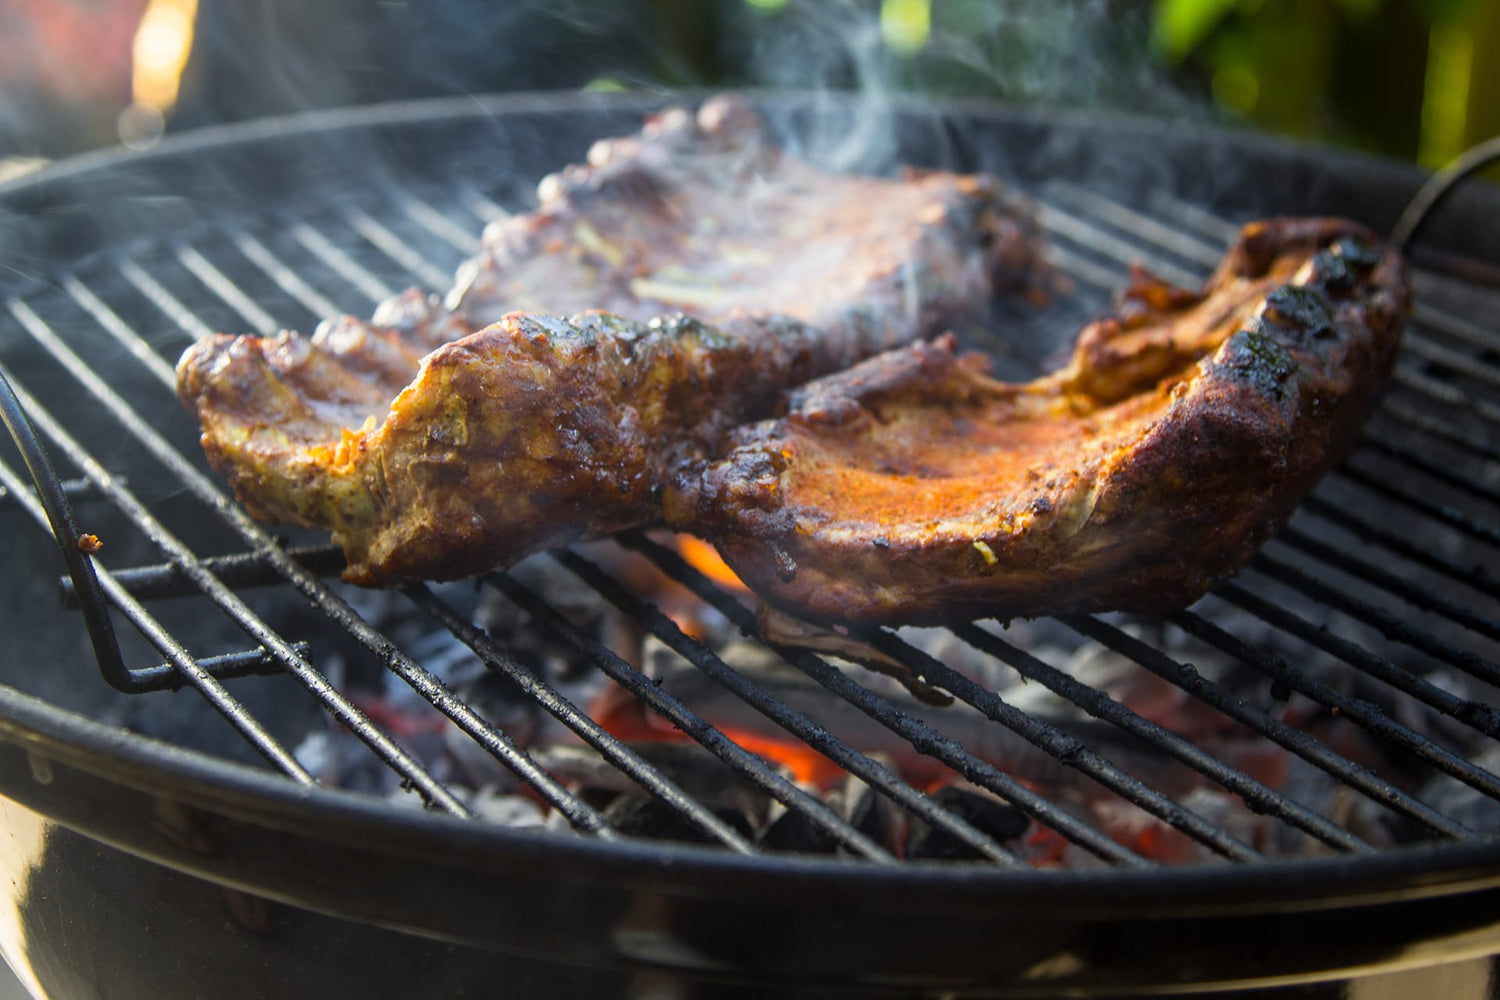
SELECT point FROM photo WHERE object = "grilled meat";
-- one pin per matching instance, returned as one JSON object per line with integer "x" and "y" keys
{"x": 915, "y": 489}
{"x": 434, "y": 449}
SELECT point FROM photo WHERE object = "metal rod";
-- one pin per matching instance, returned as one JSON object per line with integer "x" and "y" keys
{"x": 181, "y": 664}
{"x": 1471, "y": 575}
{"x": 923, "y": 738}
{"x": 341, "y": 263}
{"x": 398, "y": 250}
{"x": 1412, "y": 593}
{"x": 437, "y": 223}
{"x": 1444, "y": 513}
{"x": 1455, "y": 327}
{"x": 1366, "y": 714}
{"x": 1205, "y": 253}
{"x": 288, "y": 280}
{"x": 224, "y": 287}
{"x": 242, "y": 571}
{"x": 794, "y": 722}
{"x": 740, "y": 760}
{"x": 1449, "y": 395}
{"x": 1097, "y": 240}
{"x": 1067, "y": 749}
{"x": 560, "y": 708}
{"x": 1472, "y": 713}
{"x": 110, "y": 320}
{"x": 332, "y": 700}
{"x": 1433, "y": 427}
{"x": 1258, "y": 796}
{"x": 1472, "y": 485}
{"x": 170, "y": 305}
{"x": 1186, "y": 677}
{"x": 1393, "y": 627}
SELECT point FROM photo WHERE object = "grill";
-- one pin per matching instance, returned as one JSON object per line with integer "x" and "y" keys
{"x": 1356, "y": 655}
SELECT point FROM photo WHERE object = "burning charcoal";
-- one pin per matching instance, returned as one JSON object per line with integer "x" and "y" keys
{"x": 984, "y": 812}
{"x": 642, "y": 815}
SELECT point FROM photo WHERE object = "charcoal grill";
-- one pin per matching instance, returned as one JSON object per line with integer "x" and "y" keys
{"x": 132, "y": 803}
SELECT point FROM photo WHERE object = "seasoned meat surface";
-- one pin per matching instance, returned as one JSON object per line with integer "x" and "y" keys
{"x": 915, "y": 489}
{"x": 703, "y": 215}
{"x": 440, "y": 440}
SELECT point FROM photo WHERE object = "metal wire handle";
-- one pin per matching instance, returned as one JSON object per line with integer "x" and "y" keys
{"x": 1437, "y": 189}
{"x": 90, "y": 597}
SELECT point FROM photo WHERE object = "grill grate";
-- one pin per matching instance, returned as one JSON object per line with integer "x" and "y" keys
{"x": 1383, "y": 570}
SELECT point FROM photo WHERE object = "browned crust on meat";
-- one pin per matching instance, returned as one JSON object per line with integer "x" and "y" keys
{"x": 533, "y": 431}
{"x": 915, "y": 489}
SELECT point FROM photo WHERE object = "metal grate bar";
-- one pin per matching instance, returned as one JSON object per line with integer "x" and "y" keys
{"x": 923, "y": 738}
{"x": 794, "y": 722}
{"x": 1186, "y": 677}
{"x": 577, "y": 812}
{"x": 1416, "y": 346}
{"x": 289, "y": 281}
{"x": 110, "y": 320}
{"x": 1459, "y": 329}
{"x": 74, "y": 489}
{"x": 1481, "y": 717}
{"x": 1258, "y": 796}
{"x": 1471, "y": 575}
{"x": 1391, "y": 626}
{"x": 1450, "y": 516}
{"x": 485, "y": 208}
{"x": 221, "y": 285}
{"x": 1214, "y": 229}
{"x": 695, "y": 726}
{"x": 1449, "y": 395}
{"x": 342, "y": 264}
{"x": 241, "y": 571}
{"x": 1471, "y": 485}
{"x": 1082, "y": 268}
{"x": 188, "y": 669}
{"x": 1206, "y": 253}
{"x": 187, "y": 563}
{"x": 1436, "y": 428}
{"x": 1412, "y": 593}
{"x": 159, "y": 296}
{"x": 1367, "y": 715}
{"x": 1097, "y": 240}
{"x": 437, "y": 223}
{"x": 617, "y": 753}
{"x": 398, "y": 250}
{"x": 1067, "y": 749}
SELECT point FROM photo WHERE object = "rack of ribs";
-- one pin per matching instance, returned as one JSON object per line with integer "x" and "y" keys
{"x": 914, "y": 489}
{"x": 665, "y": 291}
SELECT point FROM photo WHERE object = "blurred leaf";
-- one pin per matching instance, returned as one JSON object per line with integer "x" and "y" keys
{"x": 1181, "y": 25}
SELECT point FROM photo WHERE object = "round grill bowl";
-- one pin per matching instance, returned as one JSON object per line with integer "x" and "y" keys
{"x": 139, "y": 867}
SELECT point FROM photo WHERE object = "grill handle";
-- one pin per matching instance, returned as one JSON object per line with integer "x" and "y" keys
{"x": 65, "y": 530}
{"x": 85, "y": 591}
{"x": 1438, "y": 187}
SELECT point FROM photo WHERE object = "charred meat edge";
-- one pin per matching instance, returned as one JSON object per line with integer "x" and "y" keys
{"x": 435, "y": 451}
{"x": 915, "y": 489}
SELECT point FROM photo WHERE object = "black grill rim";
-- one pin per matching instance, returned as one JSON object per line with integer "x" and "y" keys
{"x": 139, "y": 766}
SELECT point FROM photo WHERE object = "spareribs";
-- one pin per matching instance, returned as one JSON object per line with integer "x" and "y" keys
{"x": 914, "y": 489}
{"x": 443, "y": 439}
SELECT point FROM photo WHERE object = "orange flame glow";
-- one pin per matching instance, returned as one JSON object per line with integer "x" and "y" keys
{"x": 706, "y": 559}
